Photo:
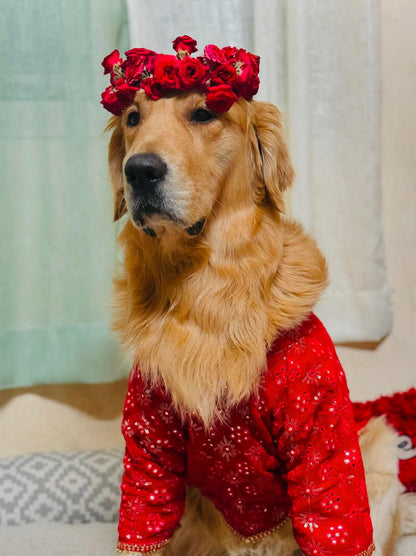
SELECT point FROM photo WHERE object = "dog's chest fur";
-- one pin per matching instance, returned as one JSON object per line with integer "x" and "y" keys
{"x": 204, "y": 327}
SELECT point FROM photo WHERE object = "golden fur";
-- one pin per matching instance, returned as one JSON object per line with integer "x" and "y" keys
{"x": 200, "y": 312}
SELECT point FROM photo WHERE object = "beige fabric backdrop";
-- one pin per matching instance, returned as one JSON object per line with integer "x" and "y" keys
{"x": 320, "y": 66}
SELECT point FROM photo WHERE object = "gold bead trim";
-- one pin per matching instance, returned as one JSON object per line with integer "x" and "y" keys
{"x": 369, "y": 550}
{"x": 259, "y": 536}
{"x": 151, "y": 548}
{"x": 269, "y": 532}
{"x": 123, "y": 547}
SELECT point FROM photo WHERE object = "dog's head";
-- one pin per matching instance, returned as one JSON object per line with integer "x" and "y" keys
{"x": 173, "y": 161}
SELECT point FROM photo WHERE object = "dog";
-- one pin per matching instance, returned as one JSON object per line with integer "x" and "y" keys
{"x": 213, "y": 272}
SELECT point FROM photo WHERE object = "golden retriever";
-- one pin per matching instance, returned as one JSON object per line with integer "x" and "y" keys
{"x": 212, "y": 272}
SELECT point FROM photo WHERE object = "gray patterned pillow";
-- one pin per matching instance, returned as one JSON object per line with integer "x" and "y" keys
{"x": 73, "y": 487}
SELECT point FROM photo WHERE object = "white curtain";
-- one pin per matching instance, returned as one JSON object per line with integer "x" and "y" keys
{"x": 320, "y": 66}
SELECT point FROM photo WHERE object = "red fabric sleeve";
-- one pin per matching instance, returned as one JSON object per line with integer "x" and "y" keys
{"x": 153, "y": 485}
{"x": 318, "y": 440}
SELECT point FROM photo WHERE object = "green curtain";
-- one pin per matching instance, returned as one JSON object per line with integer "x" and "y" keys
{"x": 57, "y": 237}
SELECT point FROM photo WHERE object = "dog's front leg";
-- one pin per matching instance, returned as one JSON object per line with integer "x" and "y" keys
{"x": 201, "y": 529}
{"x": 153, "y": 484}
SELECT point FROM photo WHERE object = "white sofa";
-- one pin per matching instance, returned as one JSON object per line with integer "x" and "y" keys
{"x": 66, "y": 504}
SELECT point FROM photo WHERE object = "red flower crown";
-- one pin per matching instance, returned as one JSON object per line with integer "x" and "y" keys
{"x": 222, "y": 74}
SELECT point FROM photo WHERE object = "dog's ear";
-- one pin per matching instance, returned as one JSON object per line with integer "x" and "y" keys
{"x": 116, "y": 153}
{"x": 271, "y": 156}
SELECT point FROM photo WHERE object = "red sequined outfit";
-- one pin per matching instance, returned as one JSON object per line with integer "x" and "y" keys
{"x": 292, "y": 450}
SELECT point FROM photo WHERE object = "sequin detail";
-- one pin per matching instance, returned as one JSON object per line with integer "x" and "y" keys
{"x": 290, "y": 450}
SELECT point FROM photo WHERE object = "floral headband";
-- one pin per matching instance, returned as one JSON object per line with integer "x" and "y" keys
{"x": 222, "y": 74}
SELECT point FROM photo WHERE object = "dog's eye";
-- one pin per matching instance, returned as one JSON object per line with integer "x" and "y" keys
{"x": 201, "y": 115}
{"x": 133, "y": 119}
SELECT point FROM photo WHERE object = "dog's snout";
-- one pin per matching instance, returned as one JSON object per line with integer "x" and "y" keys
{"x": 145, "y": 171}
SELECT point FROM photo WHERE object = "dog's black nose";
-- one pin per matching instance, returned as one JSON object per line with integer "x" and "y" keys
{"x": 145, "y": 171}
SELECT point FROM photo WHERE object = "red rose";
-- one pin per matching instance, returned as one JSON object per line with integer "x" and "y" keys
{"x": 138, "y": 60}
{"x": 192, "y": 73}
{"x": 225, "y": 73}
{"x": 126, "y": 89}
{"x": 248, "y": 88}
{"x": 214, "y": 55}
{"x": 110, "y": 101}
{"x": 118, "y": 98}
{"x": 166, "y": 71}
{"x": 247, "y": 66}
{"x": 135, "y": 54}
{"x": 229, "y": 52}
{"x": 151, "y": 88}
{"x": 110, "y": 60}
{"x": 248, "y": 59}
{"x": 220, "y": 98}
{"x": 185, "y": 43}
